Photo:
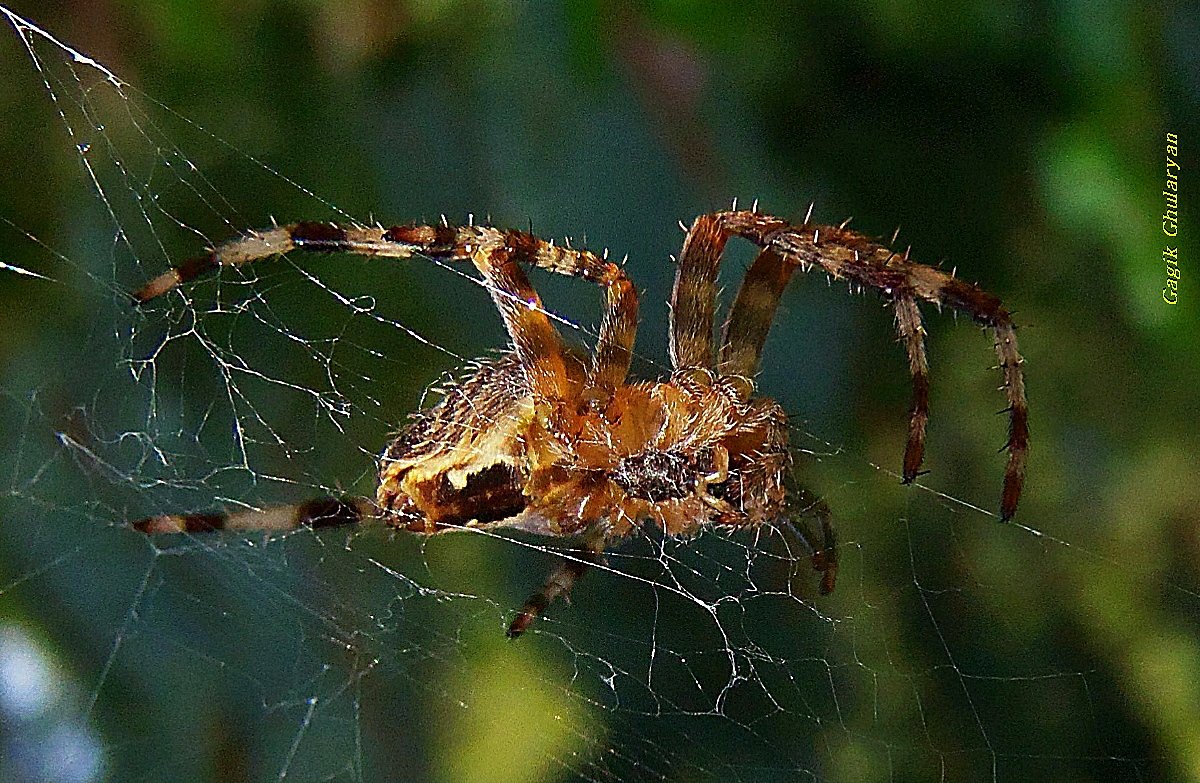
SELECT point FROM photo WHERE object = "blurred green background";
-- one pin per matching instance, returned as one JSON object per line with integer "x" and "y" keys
{"x": 1022, "y": 143}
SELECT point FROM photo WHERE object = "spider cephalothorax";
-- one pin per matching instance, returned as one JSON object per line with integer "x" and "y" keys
{"x": 542, "y": 440}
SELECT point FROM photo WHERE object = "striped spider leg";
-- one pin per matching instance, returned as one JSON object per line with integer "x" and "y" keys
{"x": 841, "y": 254}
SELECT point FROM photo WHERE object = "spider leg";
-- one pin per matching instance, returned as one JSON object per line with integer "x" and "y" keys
{"x": 538, "y": 344}
{"x": 618, "y": 329}
{"x": 495, "y": 253}
{"x": 316, "y": 513}
{"x": 559, "y": 583}
{"x": 614, "y": 349}
{"x": 694, "y": 295}
{"x": 821, "y": 549}
{"x": 753, "y": 312}
{"x": 842, "y": 253}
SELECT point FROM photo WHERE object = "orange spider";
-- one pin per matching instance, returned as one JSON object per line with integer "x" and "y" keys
{"x": 543, "y": 440}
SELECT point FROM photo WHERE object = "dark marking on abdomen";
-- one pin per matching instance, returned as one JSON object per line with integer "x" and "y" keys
{"x": 490, "y": 495}
{"x": 656, "y": 476}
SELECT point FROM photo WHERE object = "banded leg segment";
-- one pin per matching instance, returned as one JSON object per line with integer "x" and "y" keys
{"x": 273, "y": 242}
{"x": 618, "y": 329}
{"x": 317, "y": 513}
{"x": 539, "y": 346}
{"x": 753, "y": 312}
{"x": 1018, "y": 417}
{"x": 912, "y": 333}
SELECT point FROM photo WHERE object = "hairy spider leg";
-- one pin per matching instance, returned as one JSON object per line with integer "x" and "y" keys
{"x": 752, "y": 314}
{"x": 618, "y": 328}
{"x": 694, "y": 294}
{"x": 538, "y": 344}
{"x": 494, "y": 252}
{"x": 842, "y": 253}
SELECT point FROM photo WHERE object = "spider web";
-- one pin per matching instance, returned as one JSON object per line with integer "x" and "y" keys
{"x": 362, "y": 655}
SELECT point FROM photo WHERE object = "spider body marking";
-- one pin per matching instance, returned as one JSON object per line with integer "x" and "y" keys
{"x": 547, "y": 441}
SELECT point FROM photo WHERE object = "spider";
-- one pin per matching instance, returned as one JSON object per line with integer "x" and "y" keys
{"x": 548, "y": 441}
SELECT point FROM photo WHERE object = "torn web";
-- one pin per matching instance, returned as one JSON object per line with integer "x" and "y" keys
{"x": 364, "y": 654}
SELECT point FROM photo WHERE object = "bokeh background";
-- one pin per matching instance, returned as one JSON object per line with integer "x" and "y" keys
{"x": 1023, "y": 143}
